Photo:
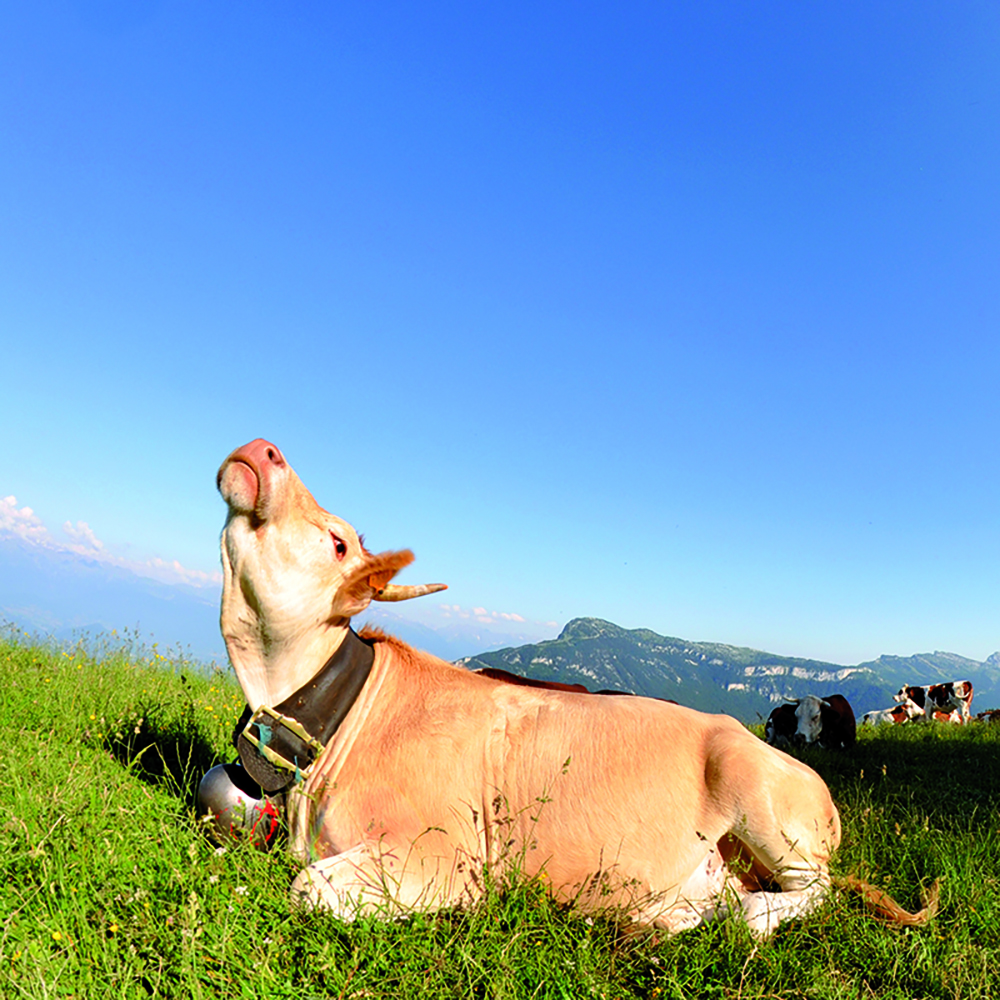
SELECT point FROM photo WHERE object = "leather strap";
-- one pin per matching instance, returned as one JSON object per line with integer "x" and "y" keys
{"x": 277, "y": 745}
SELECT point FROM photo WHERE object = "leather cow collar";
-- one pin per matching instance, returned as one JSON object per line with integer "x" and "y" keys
{"x": 278, "y": 745}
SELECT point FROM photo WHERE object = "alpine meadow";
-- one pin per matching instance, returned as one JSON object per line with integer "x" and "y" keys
{"x": 112, "y": 888}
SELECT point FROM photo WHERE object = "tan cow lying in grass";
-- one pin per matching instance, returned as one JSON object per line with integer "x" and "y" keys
{"x": 429, "y": 772}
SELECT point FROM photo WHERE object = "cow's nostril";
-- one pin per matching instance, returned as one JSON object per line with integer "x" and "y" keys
{"x": 270, "y": 454}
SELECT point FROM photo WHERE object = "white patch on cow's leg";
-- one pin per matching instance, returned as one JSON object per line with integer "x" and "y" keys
{"x": 355, "y": 883}
{"x": 705, "y": 896}
{"x": 358, "y": 882}
{"x": 686, "y": 914}
{"x": 341, "y": 884}
{"x": 764, "y": 911}
{"x": 793, "y": 855}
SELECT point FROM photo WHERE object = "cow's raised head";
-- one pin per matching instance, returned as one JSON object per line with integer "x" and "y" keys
{"x": 293, "y": 575}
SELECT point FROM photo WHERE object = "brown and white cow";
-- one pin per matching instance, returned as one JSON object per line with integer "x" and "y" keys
{"x": 933, "y": 699}
{"x": 896, "y": 715}
{"x": 433, "y": 772}
{"x": 908, "y": 712}
{"x": 828, "y": 722}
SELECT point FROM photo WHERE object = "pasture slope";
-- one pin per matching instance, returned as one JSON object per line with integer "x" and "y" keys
{"x": 109, "y": 888}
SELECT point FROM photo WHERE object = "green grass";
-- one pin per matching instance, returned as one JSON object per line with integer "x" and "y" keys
{"x": 110, "y": 889}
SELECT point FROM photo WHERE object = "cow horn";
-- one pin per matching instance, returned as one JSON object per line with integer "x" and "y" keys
{"x": 399, "y": 592}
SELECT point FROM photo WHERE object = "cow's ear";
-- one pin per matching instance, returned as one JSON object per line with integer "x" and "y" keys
{"x": 369, "y": 581}
{"x": 364, "y": 580}
{"x": 389, "y": 564}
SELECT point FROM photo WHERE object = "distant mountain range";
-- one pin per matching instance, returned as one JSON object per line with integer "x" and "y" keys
{"x": 65, "y": 595}
{"x": 713, "y": 677}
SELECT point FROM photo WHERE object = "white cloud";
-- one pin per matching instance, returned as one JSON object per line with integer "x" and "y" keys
{"x": 83, "y": 535}
{"x": 196, "y": 577}
{"x": 25, "y": 524}
{"x": 449, "y": 612}
{"x": 484, "y": 616}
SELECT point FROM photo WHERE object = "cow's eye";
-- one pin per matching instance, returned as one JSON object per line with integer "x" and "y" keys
{"x": 339, "y": 546}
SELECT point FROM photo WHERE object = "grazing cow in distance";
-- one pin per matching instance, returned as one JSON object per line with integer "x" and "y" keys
{"x": 897, "y": 715}
{"x": 934, "y": 698}
{"x": 828, "y": 722}
{"x": 907, "y": 712}
{"x": 403, "y": 776}
{"x": 781, "y": 727}
{"x": 990, "y": 715}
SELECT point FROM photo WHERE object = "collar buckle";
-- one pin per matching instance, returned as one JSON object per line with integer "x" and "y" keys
{"x": 282, "y": 741}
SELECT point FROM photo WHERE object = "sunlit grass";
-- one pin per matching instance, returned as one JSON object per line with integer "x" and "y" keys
{"x": 110, "y": 888}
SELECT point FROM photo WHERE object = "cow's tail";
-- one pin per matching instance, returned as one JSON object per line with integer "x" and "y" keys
{"x": 886, "y": 908}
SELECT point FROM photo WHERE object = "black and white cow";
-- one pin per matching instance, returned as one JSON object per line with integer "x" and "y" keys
{"x": 934, "y": 700}
{"x": 828, "y": 722}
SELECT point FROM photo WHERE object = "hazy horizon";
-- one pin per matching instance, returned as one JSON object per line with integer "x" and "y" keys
{"x": 71, "y": 591}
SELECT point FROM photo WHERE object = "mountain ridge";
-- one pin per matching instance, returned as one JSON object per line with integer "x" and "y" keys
{"x": 719, "y": 677}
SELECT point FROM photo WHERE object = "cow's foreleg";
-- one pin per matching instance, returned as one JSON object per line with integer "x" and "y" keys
{"x": 345, "y": 884}
{"x": 361, "y": 881}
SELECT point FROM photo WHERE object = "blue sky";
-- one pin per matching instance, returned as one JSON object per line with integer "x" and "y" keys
{"x": 681, "y": 315}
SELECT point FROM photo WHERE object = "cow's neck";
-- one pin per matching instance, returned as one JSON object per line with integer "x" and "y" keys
{"x": 284, "y": 669}
{"x": 280, "y": 742}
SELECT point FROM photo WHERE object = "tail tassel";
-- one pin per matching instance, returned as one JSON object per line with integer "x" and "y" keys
{"x": 886, "y": 908}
